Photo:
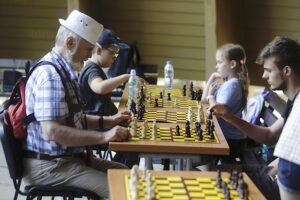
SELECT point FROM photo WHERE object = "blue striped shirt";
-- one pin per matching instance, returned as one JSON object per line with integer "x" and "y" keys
{"x": 45, "y": 97}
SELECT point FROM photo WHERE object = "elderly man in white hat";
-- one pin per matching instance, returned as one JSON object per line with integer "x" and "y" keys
{"x": 53, "y": 148}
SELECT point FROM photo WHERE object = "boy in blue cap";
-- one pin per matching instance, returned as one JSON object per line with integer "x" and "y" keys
{"x": 96, "y": 88}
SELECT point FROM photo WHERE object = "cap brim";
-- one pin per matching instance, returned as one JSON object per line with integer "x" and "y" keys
{"x": 121, "y": 45}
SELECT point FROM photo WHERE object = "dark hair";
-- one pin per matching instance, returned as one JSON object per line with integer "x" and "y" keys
{"x": 285, "y": 51}
{"x": 237, "y": 53}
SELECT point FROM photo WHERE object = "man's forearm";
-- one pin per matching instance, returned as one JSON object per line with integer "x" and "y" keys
{"x": 69, "y": 136}
{"x": 258, "y": 133}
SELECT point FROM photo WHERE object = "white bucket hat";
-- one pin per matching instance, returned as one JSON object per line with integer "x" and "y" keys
{"x": 83, "y": 25}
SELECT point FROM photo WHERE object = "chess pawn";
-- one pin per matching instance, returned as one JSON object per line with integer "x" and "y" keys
{"x": 187, "y": 130}
{"x": 190, "y": 115}
{"x": 154, "y": 130}
{"x": 133, "y": 125}
{"x": 177, "y": 130}
{"x": 219, "y": 179}
{"x": 199, "y": 114}
{"x": 144, "y": 129}
{"x": 169, "y": 96}
{"x": 149, "y": 98}
{"x": 144, "y": 174}
{"x": 156, "y": 103}
{"x": 175, "y": 102}
{"x": 134, "y": 170}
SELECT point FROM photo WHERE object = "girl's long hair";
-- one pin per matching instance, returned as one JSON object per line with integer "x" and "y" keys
{"x": 237, "y": 53}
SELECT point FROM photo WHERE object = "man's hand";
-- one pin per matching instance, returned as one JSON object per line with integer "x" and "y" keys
{"x": 220, "y": 110}
{"x": 122, "y": 118}
{"x": 117, "y": 134}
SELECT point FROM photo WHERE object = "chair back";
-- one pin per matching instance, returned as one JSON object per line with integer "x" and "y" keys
{"x": 150, "y": 72}
{"x": 12, "y": 149}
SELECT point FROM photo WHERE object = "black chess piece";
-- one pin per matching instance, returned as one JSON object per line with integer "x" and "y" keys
{"x": 161, "y": 95}
{"x": 141, "y": 101}
{"x": 211, "y": 134}
{"x": 156, "y": 103}
{"x": 184, "y": 90}
{"x": 191, "y": 89}
{"x": 227, "y": 195}
{"x": 187, "y": 122}
{"x": 199, "y": 95}
{"x": 177, "y": 130}
{"x": 142, "y": 107}
{"x": 133, "y": 107}
{"x": 197, "y": 126}
{"x": 199, "y": 135}
{"x": 224, "y": 187}
{"x": 191, "y": 85}
{"x": 169, "y": 96}
{"x": 193, "y": 95}
{"x": 142, "y": 94}
{"x": 187, "y": 130}
{"x": 208, "y": 126}
{"x": 140, "y": 115}
{"x": 212, "y": 126}
{"x": 218, "y": 179}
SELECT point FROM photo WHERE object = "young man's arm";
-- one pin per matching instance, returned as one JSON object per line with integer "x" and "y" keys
{"x": 100, "y": 86}
{"x": 266, "y": 135}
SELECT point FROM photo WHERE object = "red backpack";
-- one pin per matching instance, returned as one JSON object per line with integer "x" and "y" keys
{"x": 16, "y": 119}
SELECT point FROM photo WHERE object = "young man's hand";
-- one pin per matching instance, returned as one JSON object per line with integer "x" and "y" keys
{"x": 220, "y": 110}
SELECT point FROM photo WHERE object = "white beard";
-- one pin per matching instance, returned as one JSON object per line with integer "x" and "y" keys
{"x": 76, "y": 66}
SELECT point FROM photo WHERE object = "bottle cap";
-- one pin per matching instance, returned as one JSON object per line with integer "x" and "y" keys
{"x": 132, "y": 72}
{"x": 169, "y": 62}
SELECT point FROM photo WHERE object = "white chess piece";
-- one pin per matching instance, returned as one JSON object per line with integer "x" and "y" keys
{"x": 190, "y": 115}
{"x": 134, "y": 182}
{"x": 199, "y": 114}
{"x": 154, "y": 130}
{"x": 175, "y": 102}
{"x": 150, "y": 188}
{"x": 149, "y": 98}
{"x": 144, "y": 129}
{"x": 133, "y": 125}
{"x": 202, "y": 114}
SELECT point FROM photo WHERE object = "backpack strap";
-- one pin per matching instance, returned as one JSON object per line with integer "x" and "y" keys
{"x": 31, "y": 118}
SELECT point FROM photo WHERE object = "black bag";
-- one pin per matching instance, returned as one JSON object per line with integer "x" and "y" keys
{"x": 128, "y": 59}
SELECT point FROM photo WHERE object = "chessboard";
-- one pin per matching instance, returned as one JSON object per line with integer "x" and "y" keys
{"x": 169, "y": 134}
{"x": 173, "y": 103}
{"x": 182, "y": 185}
{"x": 166, "y": 116}
{"x": 176, "y": 187}
{"x": 157, "y": 92}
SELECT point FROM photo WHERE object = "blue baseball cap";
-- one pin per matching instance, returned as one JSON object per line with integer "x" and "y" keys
{"x": 110, "y": 38}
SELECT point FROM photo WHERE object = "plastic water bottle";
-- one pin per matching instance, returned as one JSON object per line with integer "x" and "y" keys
{"x": 169, "y": 74}
{"x": 132, "y": 88}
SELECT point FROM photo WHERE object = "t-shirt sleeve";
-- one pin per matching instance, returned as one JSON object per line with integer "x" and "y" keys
{"x": 228, "y": 93}
{"x": 92, "y": 74}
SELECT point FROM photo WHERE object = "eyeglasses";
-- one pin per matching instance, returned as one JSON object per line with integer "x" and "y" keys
{"x": 112, "y": 52}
